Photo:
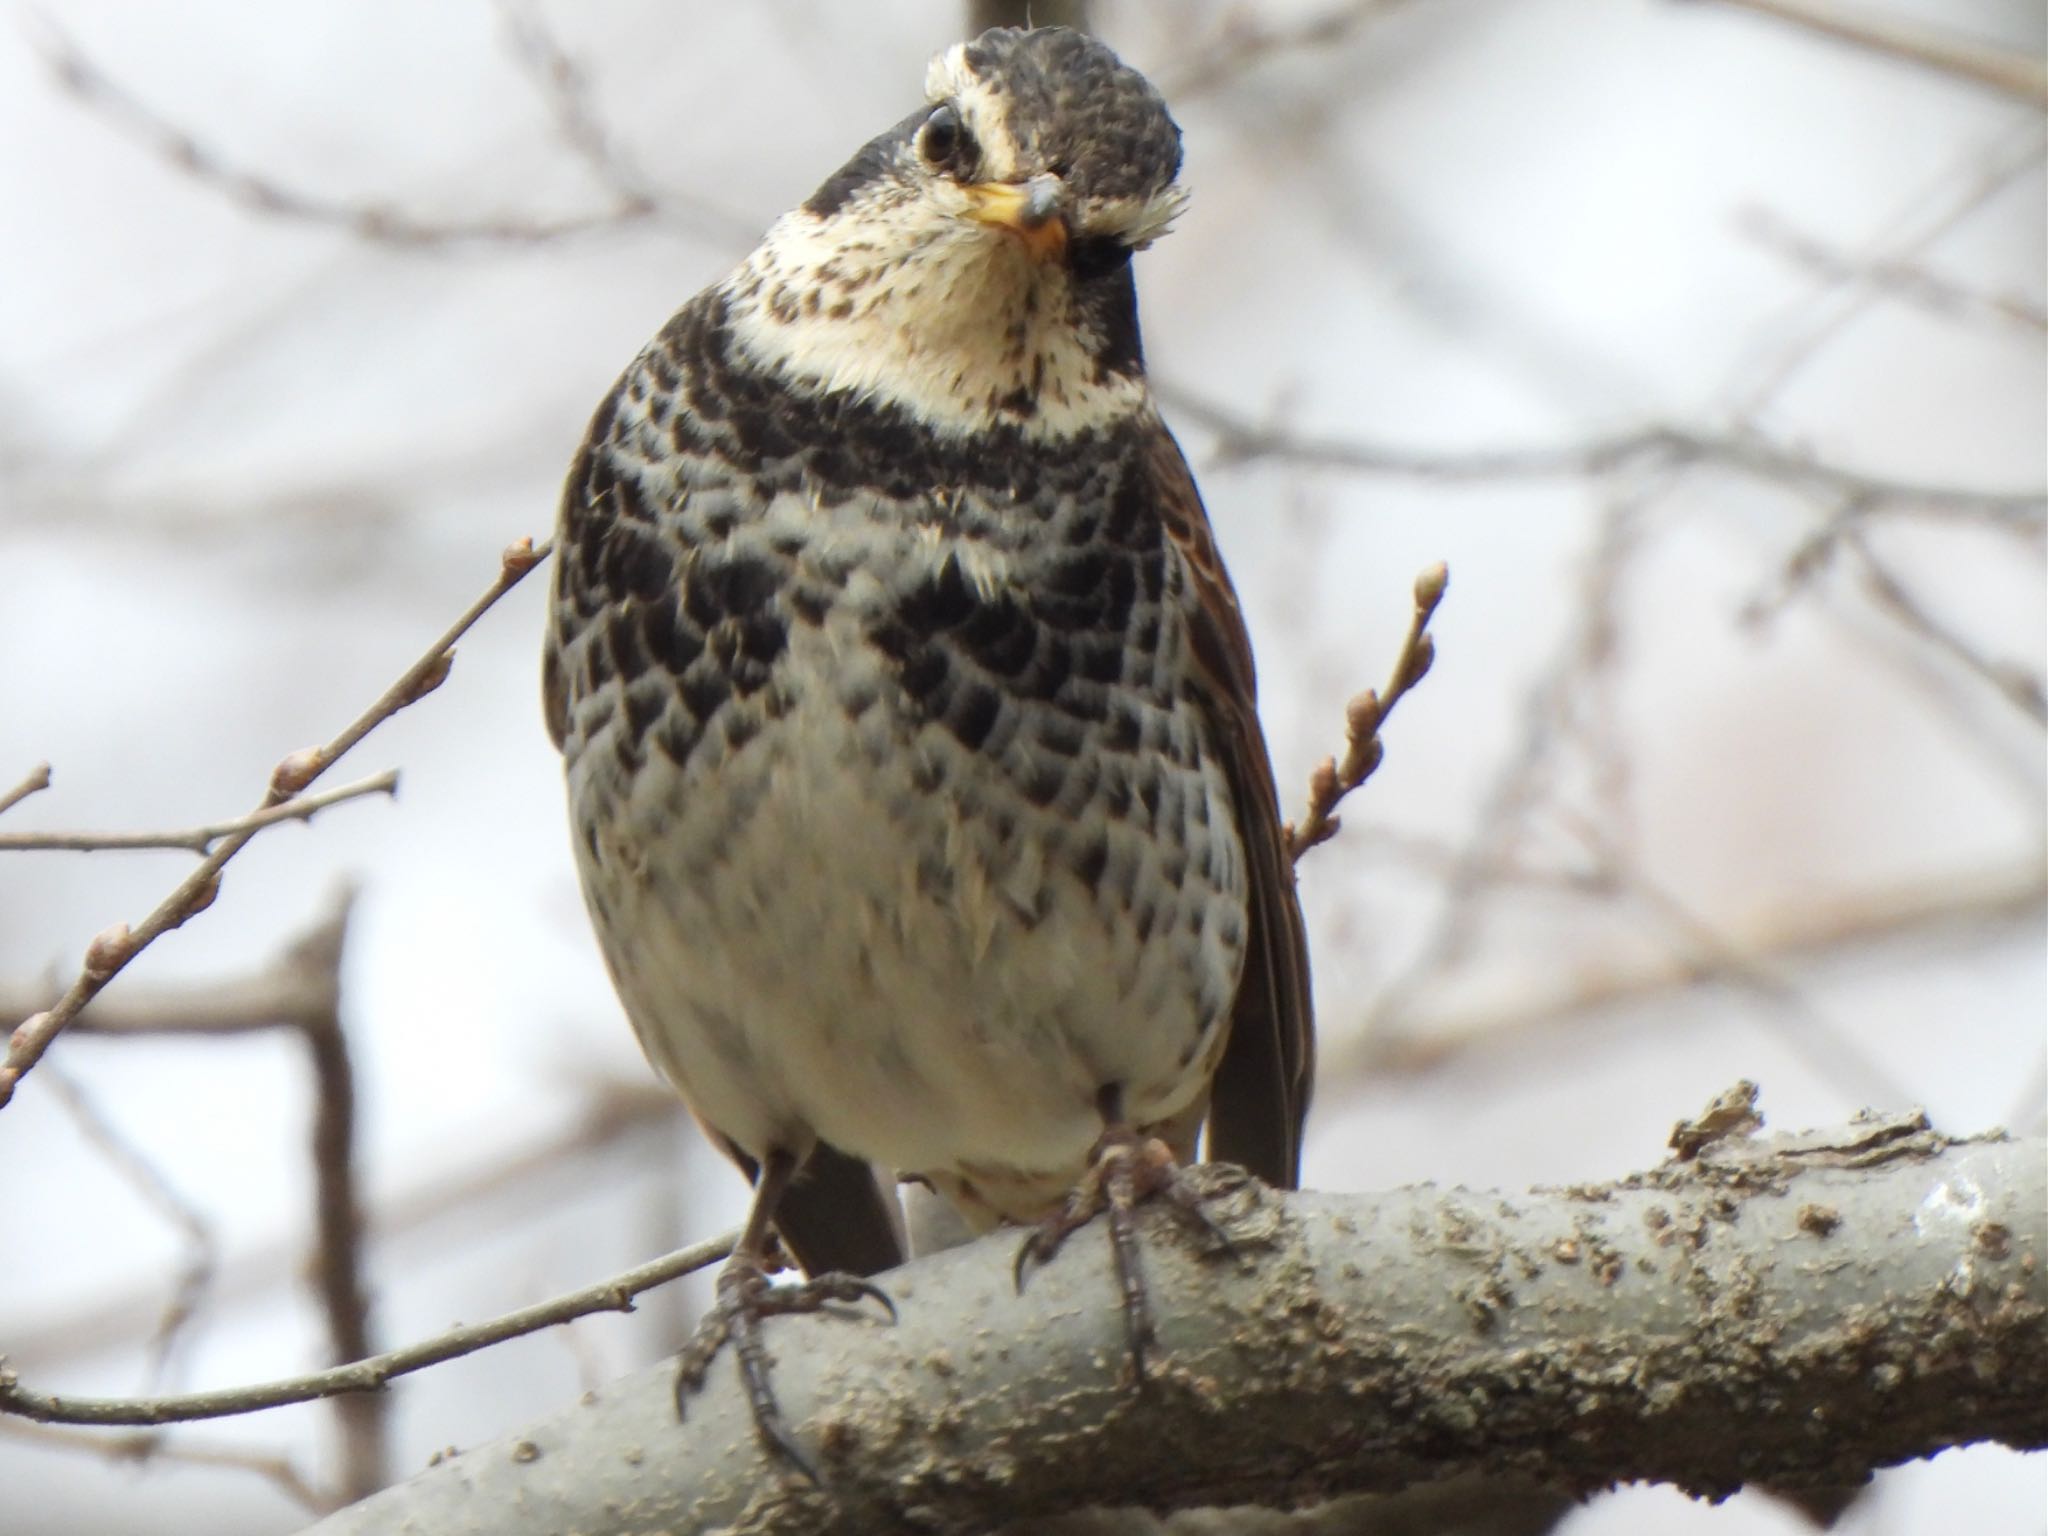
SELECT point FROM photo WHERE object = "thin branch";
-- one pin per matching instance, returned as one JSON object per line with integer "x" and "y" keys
{"x": 1240, "y": 440}
{"x": 286, "y": 992}
{"x": 1553, "y": 716}
{"x": 147, "y": 1446}
{"x": 1834, "y": 1050}
{"x": 613, "y": 1295}
{"x": 202, "y": 1247}
{"x": 300, "y": 991}
{"x": 983, "y": 14}
{"x": 1363, "y": 716}
{"x": 1798, "y": 932}
{"x": 199, "y": 839}
{"x": 1243, "y": 43}
{"x": 111, "y": 951}
{"x": 1904, "y": 640}
{"x": 2021, "y": 688}
{"x": 37, "y": 781}
{"x": 376, "y": 222}
{"x": 2005, "y": 70}
{"x": 617, "y": 1110}
{"x": 1907, "y": 281}
{"x": 1945, "y": 203}
{"x": 565, "y": 86}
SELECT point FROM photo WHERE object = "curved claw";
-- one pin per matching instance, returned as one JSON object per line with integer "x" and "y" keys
{"x": 839, "y": 1286}
{"x": 1026, "y": 1252}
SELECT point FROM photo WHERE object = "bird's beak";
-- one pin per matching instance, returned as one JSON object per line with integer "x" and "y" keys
{"x": 1028, "y": 211}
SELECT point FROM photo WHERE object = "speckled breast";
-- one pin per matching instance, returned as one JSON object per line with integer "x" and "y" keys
{"x": 895, "y": 813}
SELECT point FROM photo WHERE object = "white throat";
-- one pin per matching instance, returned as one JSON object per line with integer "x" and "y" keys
{"x": 912, "y": 305}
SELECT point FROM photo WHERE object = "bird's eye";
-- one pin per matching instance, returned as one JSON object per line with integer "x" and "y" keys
{"x": 1097, "y": 256}
{"x": 944, "y": 141}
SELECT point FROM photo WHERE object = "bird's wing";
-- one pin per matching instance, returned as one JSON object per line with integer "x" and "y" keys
{"x": 1260, "y": 1096}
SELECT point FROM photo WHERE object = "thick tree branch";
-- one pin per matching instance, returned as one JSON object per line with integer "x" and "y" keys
{"x": 1786, "y": 1310}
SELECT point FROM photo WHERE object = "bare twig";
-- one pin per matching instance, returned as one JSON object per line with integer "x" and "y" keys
{"x": 617, "y": 1110}
{"x": 147, "y": 1446}
{"x": 1915, "y": 632}
{"x": 1794, "y": 933}
{"x": 613, "y": 1295}
{"x": 300, "y": 991}
{"x": 202, "y": 1248}
{"x": 1243, "y": 43}
{"x": 1363, "y": 716}
{"x": 983, "y": 14}
{"x": 199, "y": 839}
{"x": 565, "y": 86}
{"x": 1240, "y": 440}
{"x": 1906, "y": 280}
{"x": 38, "y": 780}
{"x": 112, "y": 950}
{"x": 1833, "y": 1050}
{"x": 286, "y": 992}
{"x": 1944, "y": 204}
{"x": 2012, "y": 681}
{"x": 377, "y": 222}
{"x": 1552, "y": 717}
{"x": 2005, "y": 70}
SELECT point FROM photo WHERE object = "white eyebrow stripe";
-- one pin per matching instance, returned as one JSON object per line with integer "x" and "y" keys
{"x": 980, "y": 106}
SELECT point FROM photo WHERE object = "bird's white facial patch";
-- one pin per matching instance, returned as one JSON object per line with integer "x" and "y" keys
{"x": 1137, "y": 221}
{"x": 899, "y": 297}
{"x": 948, "y": 78}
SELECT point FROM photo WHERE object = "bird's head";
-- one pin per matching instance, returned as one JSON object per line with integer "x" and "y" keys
{"x": 972, "y": 264}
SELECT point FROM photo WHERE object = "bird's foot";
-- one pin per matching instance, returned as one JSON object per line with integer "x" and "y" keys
{"x": 745, "y": 1296}
{"x": 1125, "y": 1170}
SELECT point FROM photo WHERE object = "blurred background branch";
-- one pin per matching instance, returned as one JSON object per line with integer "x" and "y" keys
{"x": 1730, "y": 421}
{"x": 2000, "y": 69}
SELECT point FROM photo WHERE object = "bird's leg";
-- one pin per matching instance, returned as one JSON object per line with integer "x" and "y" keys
{"x": 745, "y": 1297}
{"x": 1124, "y": 1169}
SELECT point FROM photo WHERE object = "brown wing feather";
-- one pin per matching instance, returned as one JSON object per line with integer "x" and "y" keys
{"x": 1260, "y": 1096}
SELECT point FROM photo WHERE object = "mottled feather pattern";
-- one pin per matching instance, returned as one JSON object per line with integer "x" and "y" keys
{"x": 918, "y": 788}
{"x": 946, "y": 682}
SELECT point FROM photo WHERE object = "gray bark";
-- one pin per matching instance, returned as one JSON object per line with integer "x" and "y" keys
{"x": 1783, "y": 1310}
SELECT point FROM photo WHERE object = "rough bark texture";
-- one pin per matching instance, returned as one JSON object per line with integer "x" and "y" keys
{"x": 1787, "y": 1310}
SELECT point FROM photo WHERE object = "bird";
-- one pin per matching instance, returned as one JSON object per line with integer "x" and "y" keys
{"x": 916, "y": 780}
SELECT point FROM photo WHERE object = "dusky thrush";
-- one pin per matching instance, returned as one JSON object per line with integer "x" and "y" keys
{"x": 919, "y": 796}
